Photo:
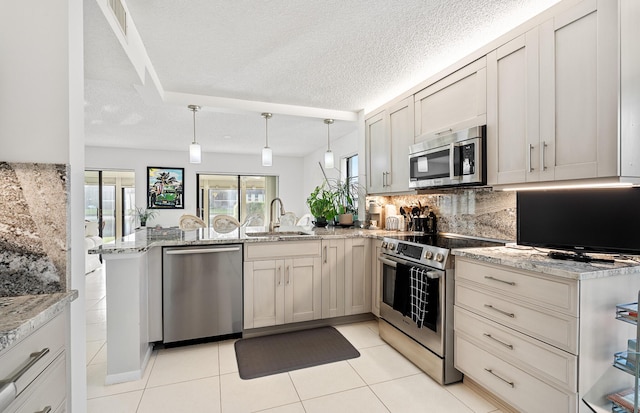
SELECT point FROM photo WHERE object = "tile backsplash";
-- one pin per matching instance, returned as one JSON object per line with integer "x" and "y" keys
{"x": 474, "y": 212}
{"x": 33, "y": 228}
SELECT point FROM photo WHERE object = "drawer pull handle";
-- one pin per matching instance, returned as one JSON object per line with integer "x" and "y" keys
{"x": 510, "y": 383}
{"x": 500, "y": 311}
{"x": 488, "y": 277}
{"x": 45, "y": 410}
{"x": 33, "y": 359}
{"x": 279, "y": 275}
{"x": 509, "y": 346}
{"x": 288, "y": 274}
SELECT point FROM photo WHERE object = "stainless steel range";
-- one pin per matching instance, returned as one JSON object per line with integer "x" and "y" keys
{"x": 417, "y": 299}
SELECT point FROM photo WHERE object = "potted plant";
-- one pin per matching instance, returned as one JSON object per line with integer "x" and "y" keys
{"x": 144, "y": 215}
{"x": 345, "y": 194}
{"x": 321, "y": 204}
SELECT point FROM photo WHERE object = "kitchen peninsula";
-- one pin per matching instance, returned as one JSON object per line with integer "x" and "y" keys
{"x": 133, "y": 268}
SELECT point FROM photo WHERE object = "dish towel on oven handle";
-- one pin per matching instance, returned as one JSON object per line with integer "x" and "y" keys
{"x": 424, "y": 298}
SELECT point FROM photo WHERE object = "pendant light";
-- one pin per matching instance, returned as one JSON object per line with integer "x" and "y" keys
{"x": 328, "y": 155}
{"x": 195, "y": 153}
{"x": 267, "y": 155}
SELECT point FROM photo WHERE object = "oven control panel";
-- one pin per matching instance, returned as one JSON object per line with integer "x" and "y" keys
{"x": 414, "y": 252}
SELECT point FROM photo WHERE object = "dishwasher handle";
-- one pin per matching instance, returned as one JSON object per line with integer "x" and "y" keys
{"x": 201, "y": 250}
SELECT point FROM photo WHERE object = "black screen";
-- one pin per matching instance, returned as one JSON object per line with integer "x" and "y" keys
{"x": 596, "y": 220}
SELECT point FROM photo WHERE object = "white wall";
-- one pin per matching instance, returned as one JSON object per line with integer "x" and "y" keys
{"x": 288, "y": 169}
{"x": 42, "y": 120}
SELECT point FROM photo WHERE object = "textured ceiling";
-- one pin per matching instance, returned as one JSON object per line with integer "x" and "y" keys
{"x": 330, "y": 54}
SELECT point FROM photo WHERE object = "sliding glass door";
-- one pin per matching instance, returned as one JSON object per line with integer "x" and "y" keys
{"x": 242, "y": 197}
{"x": 109, "y": 200}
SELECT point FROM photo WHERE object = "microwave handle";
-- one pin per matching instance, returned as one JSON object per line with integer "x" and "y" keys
{"x": 452, "y": 159}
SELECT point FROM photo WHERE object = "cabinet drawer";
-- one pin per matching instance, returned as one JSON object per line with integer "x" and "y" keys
{"x": 547, "y": 362}
{"x": 511, "y": 384}
{"x": 281, "y": 249}
{"x": 557, "y": 329}
{"x": 558, "y": 294}
{"x": 51, "y": 336}
{"x": 48, "y": 390}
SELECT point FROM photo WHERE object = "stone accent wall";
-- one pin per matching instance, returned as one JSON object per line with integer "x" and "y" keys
{"x": 474, "y": 212}
{"x": 33, "y": 228}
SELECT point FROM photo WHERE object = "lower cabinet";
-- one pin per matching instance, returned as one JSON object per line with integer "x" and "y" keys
{"x": 539, "y": 342}
{"x": 42, "y": 386}
{"x": 346, "y": 277}
{"x": 376, "y": 277}
{"x": 285, "y": 289}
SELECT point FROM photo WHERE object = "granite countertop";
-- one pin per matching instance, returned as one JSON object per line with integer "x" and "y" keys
{"x": 21, "y": 315}
{"x": 536, "y": 259}
{"x": 145, "y": 238}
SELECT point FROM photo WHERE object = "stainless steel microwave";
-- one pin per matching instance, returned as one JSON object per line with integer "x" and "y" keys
{"x": 448, "y": 160}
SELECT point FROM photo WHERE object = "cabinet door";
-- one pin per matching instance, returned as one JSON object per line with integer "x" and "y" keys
{"x": 457, "y": 101}
{"x": 357, "y": 280}
{"x": 378, "y": 150}
{"x": 333, "y": 267}
{"x": 303, "y": 289}
{"x": 578, "y": 95}
{"x": 401, "y": 137}
{"x": 513, "y": 111}
{"x": 263, "y": 293}
{"x": 376, "y": 277}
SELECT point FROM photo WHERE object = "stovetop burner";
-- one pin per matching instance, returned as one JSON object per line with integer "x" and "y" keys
{"x": 443, "y": 241}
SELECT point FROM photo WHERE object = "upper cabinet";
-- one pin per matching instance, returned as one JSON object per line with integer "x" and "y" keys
{"x": 458, "y": 101}
{"x": 389, "y": 134}
{"x": 552, "y": 99}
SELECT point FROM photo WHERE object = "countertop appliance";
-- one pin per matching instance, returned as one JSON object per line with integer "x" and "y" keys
{"x": 449, "y": 159}
{"x": 404, "y": 257}
{"x": 201, "y": 292}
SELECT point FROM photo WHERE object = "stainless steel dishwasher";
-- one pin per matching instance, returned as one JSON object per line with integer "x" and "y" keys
{"x": 201, "y": 292}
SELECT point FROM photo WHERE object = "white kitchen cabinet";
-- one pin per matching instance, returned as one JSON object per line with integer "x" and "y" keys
{"x": 388, "y": 136}
{"x": 539, "y": 342}
{"x": 357, "y": 280}
{"x": 552, "y": 95}
{"x": 333, "y": 276}
{"x": 346, "y": 277}
{"x": 457, "y": 101}
{"x": 284, "y": 289}
{"x": 376, "y": 277}
{"x": 44, "y": 383}
{"x": 579, "y": 84}
{"x": 513, "y": 130}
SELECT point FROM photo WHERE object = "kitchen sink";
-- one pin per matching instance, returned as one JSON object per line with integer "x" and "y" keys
{"x": 279, "y": 234}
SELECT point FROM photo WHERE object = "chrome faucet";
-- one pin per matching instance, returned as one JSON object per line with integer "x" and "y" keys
{"x": 272, "y": 224}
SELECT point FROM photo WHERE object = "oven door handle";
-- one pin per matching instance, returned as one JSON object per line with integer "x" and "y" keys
{"x": 433, "y": 274}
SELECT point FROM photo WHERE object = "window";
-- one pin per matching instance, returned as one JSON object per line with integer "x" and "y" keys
{"x": 242, "y": 197}
{"x": 350, "y": 168}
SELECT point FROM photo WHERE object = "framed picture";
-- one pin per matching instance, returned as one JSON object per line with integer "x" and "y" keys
{"x": 165, "y": 188}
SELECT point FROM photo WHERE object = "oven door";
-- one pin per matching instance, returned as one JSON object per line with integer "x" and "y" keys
{"x": 433, "y": 340}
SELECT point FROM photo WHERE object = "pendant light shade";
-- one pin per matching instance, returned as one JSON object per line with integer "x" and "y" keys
{"x": 328, "y": 155}
{"x": 267, "y": 155}
{"x": 195, "y": 152}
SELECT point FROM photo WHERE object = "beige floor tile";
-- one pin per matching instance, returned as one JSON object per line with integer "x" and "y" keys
{"x": 418, "y": 393}
{"x": 227, "y": 356}
{"x": 202, "y": 395}
{"x": 470, "y": 398}
{"x": 289, "y": 408}
{"x": 119, "y": 403}
{"x": 382, "y": 363}
{"x": 96, "y": 387}
{"x": 101, "y": 356}
{"x": 351, "y": 401}
{"x": 96, "y": 316}
{"x": 93, "y": 347}
{"x": 325, "y": 379}
{"x": 256, "y": 394}
{"x": 360, "y": 335}
{"x": 186, "y": 363}
{"x": 96, "y": 332}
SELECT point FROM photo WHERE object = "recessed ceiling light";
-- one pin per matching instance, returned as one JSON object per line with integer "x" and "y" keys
{"x": 226, "y": 137}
